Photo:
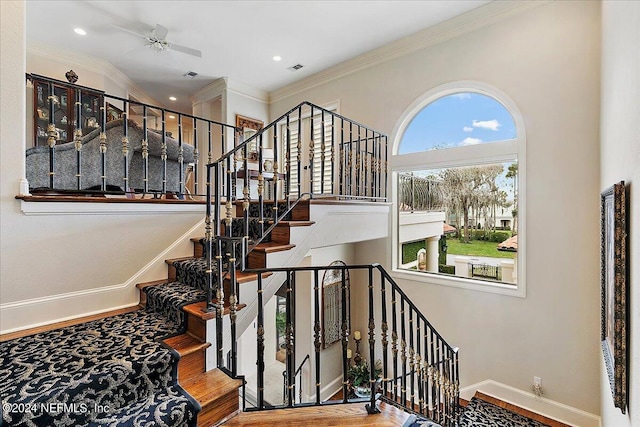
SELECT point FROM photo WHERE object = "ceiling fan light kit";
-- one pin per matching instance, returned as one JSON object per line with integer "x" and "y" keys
{"x": 157, "y": 40}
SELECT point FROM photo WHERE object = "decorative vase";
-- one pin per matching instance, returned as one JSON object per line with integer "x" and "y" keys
{"x": 362, "y": 391}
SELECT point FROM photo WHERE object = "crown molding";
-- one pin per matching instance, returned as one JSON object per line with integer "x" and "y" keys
{"x": 248, "y": 91}
{"x": 475, "y": 19}
{"x": 93, "y": 64}
{"x": 225, "y": 84}
{"x": 210, "y": 92}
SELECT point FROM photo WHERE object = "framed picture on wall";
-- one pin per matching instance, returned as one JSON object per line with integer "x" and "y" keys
{"x": 249, "y": 128}
{"x": 613, "y": 276}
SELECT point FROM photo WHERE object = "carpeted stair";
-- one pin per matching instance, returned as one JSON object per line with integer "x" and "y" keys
{"x": 95, "y": 372}
{"x": 114, "y": 371}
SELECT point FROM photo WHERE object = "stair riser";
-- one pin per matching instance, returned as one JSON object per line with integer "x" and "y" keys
{"x": 191, "y": 364}
{"x": 197, "y": 327}
{"x": 281, "y": 234}
{"x": 257, "y": 259}
{"x": 222, "y": 408}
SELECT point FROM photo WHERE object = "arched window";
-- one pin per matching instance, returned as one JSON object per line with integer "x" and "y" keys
{"x": 458, "y": 176}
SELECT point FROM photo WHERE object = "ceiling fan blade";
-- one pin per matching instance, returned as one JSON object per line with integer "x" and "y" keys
{"x": 126, "y": 30}
{"x": 185, "y": 49}
{"x": 161, "y": 32}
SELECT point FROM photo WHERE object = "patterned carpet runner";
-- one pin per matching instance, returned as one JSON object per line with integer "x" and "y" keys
{"x": 113, "y": 371}
{"x": 108, "y": 372}
{"x": 480, "y": 413}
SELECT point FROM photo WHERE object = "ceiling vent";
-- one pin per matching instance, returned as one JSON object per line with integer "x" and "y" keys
{"x": 295, "y": 67}
{"x": 190, "y": 74}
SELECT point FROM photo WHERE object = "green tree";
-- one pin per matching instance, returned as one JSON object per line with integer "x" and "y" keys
{"x": 512, "y": 172}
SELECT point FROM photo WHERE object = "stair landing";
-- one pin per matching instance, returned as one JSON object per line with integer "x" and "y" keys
{"x": 347, "y": 415}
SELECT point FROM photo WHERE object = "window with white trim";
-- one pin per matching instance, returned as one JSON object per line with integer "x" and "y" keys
{"x": 458, "y": 177}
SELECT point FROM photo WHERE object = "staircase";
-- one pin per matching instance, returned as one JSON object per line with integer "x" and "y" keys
{"x": 251, "y": 248}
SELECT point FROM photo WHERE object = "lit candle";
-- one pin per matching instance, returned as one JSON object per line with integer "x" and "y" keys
{"x": 348, "y": 353}
{"x": 356, "y": 335}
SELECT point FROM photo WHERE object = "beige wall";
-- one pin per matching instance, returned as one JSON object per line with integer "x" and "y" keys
{"x": 60, "y": 255}
{"x": 620, "y": 161}
{"x": 546, "y": 60}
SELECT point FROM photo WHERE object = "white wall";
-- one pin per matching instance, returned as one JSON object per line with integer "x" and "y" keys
{"x": 546, "y": 59}
{"x": 619, "y": 161}
{"x": 73, "y": 257}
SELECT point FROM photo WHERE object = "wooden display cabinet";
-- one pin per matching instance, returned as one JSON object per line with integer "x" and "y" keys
{"x": 63, "y": 110}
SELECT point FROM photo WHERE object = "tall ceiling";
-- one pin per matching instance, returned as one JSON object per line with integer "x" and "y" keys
{"x": 238, "y": 39}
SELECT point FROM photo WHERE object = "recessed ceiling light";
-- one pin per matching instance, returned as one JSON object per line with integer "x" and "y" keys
{"x": 172, "y": 98}
{"x": 80, "y": 31}
{"x": 171, "y": 116}
{"x": 277, "y": 58}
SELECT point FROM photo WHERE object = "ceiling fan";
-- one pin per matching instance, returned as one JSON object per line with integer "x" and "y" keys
{"x": 157, "y": 40}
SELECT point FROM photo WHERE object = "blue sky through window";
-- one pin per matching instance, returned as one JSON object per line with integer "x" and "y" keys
{"x": 458, "y": 120}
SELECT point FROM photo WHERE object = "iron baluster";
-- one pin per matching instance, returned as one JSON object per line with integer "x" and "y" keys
{"x": 163, "y": 153}
{"x": 385, "y": 338}
{"x": 196, "y": 157}
{"x": 77, "y": 138}
{"x": 333, "y": 154}
{"x": 260, "y": 344}
{"x": 180, "y": 158}
{"x": 316, "y": 331}
{"x": 290, "y": 320}
{"x": 233, "y": 306}
{"x": 299, "y": 151}
{"x": 403, "y": 351}
{"x": 125, "y": 148}
{"x": 322, "y": 155}
{"x": 52, "y": 136}
{"x": 394, "y": 343}
{"x": 145, "y": 151}
{"x": 311, "y": 153}
{"x": 345, "y": 336}
{"x": 103, "y": 147}
{"x": 275, "y": 174}
{"x": 373, "y": 380}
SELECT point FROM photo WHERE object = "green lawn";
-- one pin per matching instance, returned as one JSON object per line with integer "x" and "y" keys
{"x": 475, "y": 248}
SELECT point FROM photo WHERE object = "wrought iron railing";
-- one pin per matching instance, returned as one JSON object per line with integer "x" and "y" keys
{"x": 105, "y": 165}
{"x": 419, "y": 368}
{"x": 485, "y": 271}
{"x": 417, "y": 193}
{"x": 359, "y": 172}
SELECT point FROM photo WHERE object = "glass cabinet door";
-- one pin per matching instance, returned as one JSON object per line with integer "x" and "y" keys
{"x": 64, "y": 115}
{"x": 61, "y": 117}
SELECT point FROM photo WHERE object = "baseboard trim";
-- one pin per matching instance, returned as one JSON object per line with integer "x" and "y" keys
{"x": 543, "y": 406}
{"x": 37, "y": 312}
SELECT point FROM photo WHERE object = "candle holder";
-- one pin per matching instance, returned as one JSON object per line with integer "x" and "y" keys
{"x": 356, "y": 358}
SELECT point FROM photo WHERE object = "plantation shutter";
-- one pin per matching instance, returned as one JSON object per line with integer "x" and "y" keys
{"x": 320, "y": 186}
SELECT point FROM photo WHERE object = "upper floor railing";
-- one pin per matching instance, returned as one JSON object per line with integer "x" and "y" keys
{"x": 87, "y": 140}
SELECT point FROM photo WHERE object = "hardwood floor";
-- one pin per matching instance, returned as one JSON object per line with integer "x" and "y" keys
{"x": 352, "y": 414}
{"x": 58, "y": 325}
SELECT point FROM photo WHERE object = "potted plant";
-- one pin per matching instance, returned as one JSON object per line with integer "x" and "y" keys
{"x": 358, "y": 375}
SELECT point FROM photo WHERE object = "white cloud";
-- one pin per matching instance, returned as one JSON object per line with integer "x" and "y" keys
{"x": 462, "y": 95}
{"x": 487, "y": 124}
{"x": 467, "y": 129}
{"x": 471, "y": 141}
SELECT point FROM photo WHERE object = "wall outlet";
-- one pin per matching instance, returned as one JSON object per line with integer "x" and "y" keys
{"x": 537, "y": 386}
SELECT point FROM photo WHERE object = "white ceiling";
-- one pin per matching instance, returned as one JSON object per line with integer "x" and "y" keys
{"x": 238, "y": 39}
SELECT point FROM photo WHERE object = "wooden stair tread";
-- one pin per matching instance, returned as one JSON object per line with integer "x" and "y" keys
{"x": 346, "y": 415}
{"x": 151, "y": 283}
{"x": 210, "y": 385}
{"x": 269, "y": 247}
{"x": 172, "y": 260}
{"x": 197, "y": 310}
{"x": 245, "y": 277}
{"x": 186, "y": 344}
{"x": 298, "y": 223}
